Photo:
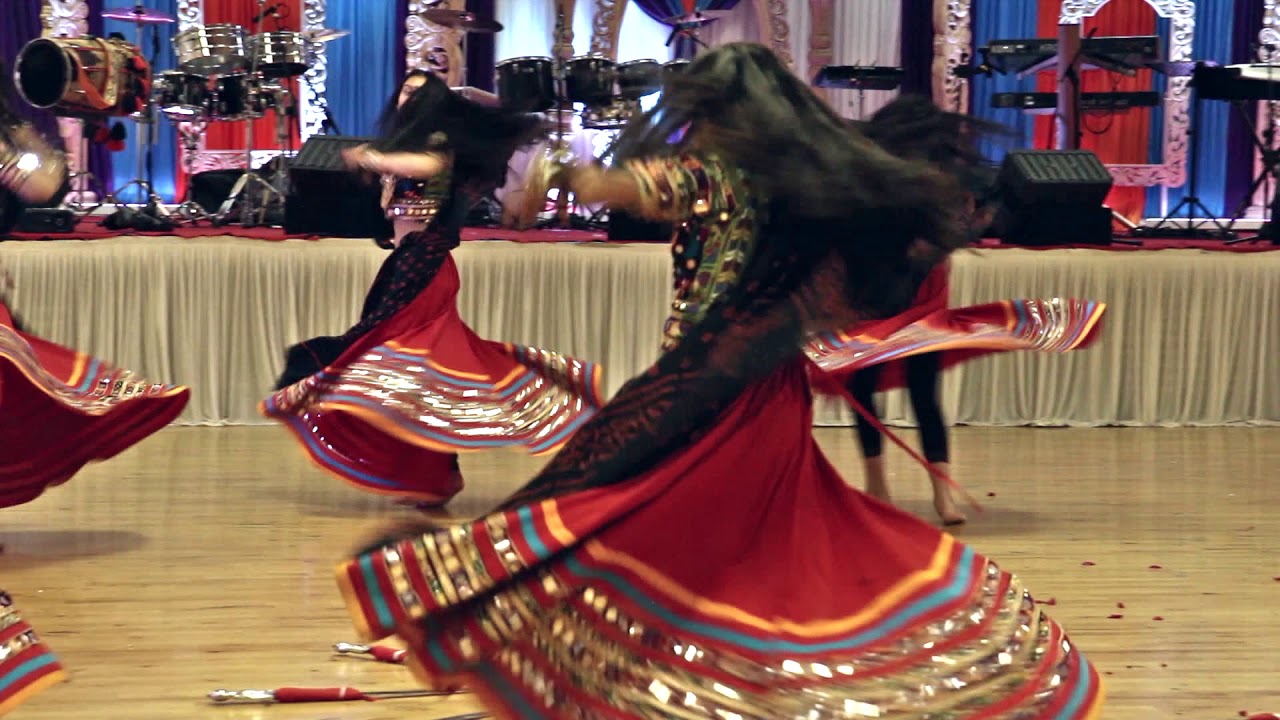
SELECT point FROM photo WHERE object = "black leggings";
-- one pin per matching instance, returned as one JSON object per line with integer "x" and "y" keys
{"x": 922, "y": 384}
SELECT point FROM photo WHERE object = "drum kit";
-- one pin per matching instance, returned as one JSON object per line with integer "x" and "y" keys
{"x": 225, "y": 73}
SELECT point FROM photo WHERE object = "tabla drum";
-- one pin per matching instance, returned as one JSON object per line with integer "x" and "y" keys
{"x": 589, "y": 80}
{"x": 182, "y": 96}
{"x": 280, "y": 54}
{"x": 211, "y": 49}
{"x": 526, "y": 84}
{"x": 236, "y": 97}
{"x": 639, "y": 78}
{"x": 29, "y": 167}
{"x": 84, "y": 76}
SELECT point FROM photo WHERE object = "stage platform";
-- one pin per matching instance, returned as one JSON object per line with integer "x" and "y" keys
{"x": 1192, "y": 335}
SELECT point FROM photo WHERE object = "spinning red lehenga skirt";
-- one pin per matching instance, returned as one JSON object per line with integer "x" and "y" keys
{"x": 61, "y": 409}
{"x": 691, "y": 552}
{"x": 27, "y": 667}
{"x": 388, "y": 405}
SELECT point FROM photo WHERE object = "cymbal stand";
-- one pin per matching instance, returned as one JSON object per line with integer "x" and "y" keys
{"x": 143, "y": 122}
{"x": 250, "y": 176}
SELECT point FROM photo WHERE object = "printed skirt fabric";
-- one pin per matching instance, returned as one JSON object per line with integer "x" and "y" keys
{"x": 26, "y": 665}
{"x": 957, "y": 334}
{"x": 741, "y": 577}
{"x": 392, "y": 411}
{"x": 61, "y": 409}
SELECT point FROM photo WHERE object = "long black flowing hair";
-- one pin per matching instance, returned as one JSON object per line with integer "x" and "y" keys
{"x": 915, "y": 128}
{"x": 481, "y": 138}
{"x": 830, "y": 189}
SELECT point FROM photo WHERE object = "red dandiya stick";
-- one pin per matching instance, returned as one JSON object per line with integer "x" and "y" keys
{"x": 381, "y": 653}
{"x": 309, "y": 695}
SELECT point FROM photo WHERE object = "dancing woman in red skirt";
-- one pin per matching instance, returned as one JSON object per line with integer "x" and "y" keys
{"x": 913, "y": 127}
{"x": 690, "y": 552}
{"x": 59, "y": 409}
{"x": 389, "y": 403}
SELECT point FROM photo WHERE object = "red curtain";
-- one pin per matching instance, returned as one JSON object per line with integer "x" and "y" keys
{"x": 1118, "y": 138}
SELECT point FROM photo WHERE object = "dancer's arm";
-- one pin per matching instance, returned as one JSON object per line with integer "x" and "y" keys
{"x": 666, "y": 188}
{"x": 418, "y": 166}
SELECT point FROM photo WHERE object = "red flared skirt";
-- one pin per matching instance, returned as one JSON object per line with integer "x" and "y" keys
{"x": 741, "y": 577}
{"x": 390, "y": 414}
{"x": 27, "y": 666}
{"x": 61, "y": 409}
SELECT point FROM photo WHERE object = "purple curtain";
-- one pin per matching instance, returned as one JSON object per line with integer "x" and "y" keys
{"x": 20, "y": 26}
{"x": 662, "y": 9}
{"x": 1240, "y": 149}
{"x": 398, "y": 52}
{"x": 917, "y": 47}
{"x": 481, "y": 48}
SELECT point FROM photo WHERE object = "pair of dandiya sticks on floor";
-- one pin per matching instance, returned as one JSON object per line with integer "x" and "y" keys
{"x": 592, "y": 598}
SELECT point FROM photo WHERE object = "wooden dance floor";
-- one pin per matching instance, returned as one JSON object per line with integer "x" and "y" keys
{"x": 202, "y": 559}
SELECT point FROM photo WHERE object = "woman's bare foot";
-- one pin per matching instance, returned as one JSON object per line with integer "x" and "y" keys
{"x": 943, "y": 503}
{"x": 877, "y": 483}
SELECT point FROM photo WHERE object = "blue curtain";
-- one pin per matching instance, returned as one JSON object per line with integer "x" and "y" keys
{"x": 1215, "y": 20}
{"x": 157, "y": 48}
{"x": 362, "y": 69}
{"x": 1003, "y": 20}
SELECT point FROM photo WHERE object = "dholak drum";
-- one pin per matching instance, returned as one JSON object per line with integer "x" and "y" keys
{"x": 236, "y": 97}
{"x": 182, "y": 96}
{"x": 29, "y": 168}
{"x": 280, "y": 54}
{"x": 83, "y": 76}
{"x": 639, "y": 78}
{"x": 526, "y": 84}
{"x": 211, "y": 49}
{"x": 589, "y": 80}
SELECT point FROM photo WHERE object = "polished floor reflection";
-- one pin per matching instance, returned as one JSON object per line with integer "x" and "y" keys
{"x": 203, "y": 558}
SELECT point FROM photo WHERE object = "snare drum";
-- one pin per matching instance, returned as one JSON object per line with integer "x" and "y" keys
{"x": 83, "y": 76}
{"x": 639, "y": 78}
{"x": 526, "y": 84}
{"x": 182, "y": 96}
{"x": 280, "y": 54}
{"x": 589, "y": 80}
{"x": 673, "y": 68}
{"x": 211, "y": 49}
{"x": 236, "y": 97}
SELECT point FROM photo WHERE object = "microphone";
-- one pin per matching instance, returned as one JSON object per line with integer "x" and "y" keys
{"x": 272, "y": 10}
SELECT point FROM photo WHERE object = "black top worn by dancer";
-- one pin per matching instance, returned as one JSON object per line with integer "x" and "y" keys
{"x": 439, "y": 152}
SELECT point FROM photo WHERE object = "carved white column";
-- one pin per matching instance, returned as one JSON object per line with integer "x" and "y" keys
{"x": 311, "y": 88}
{"x": 606, "y": 25}
{"x": 952, "y": 47}
{"x": 775, "y": 31}
{"x": 429, "y": 46}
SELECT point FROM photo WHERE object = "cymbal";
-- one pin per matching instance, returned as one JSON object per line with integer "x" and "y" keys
{"x": 324, "y": 35}
{"x": 461, "y": 20}
{"x": 139, "y": 15}
{"x": 695, "y": 19}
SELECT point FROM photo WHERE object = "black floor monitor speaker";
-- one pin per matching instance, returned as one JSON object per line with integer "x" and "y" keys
{"x": 327, "y": 199}
{"x": 1053, "y": 197}
{"x": 626, "y": 227}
